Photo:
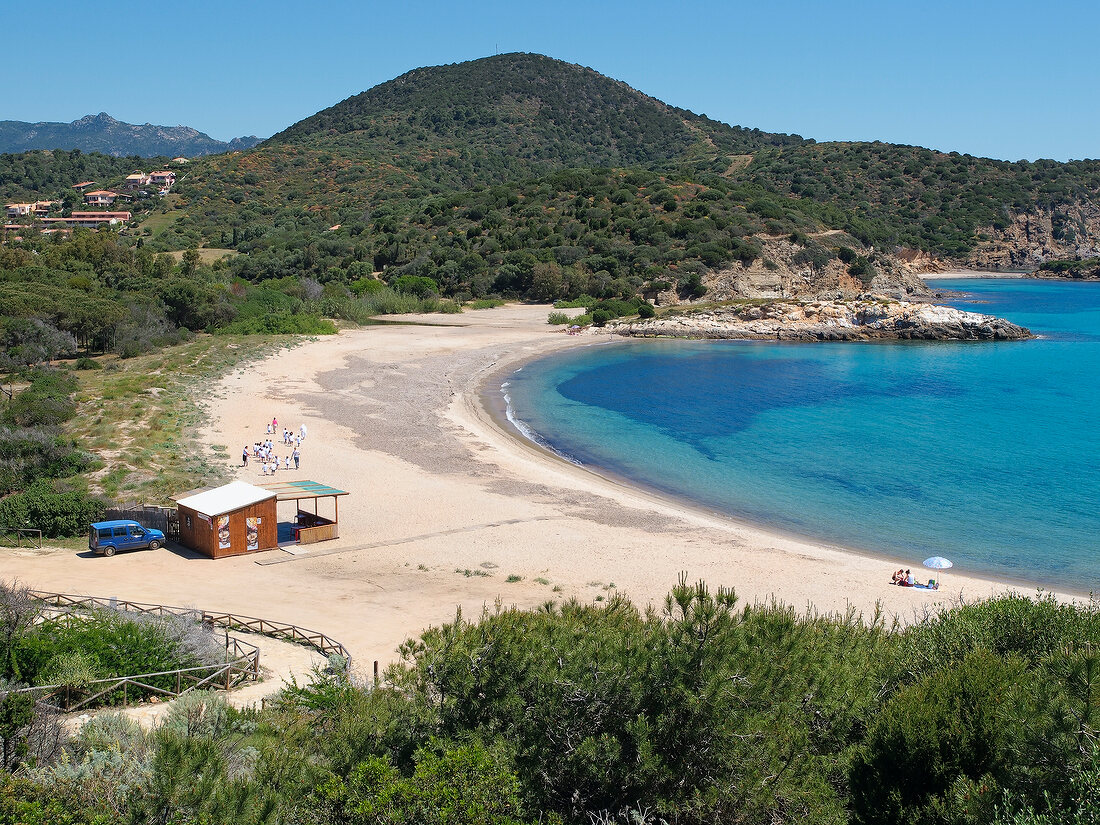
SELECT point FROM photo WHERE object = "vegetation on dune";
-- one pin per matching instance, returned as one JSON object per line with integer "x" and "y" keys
{"x": 704, "y": 711}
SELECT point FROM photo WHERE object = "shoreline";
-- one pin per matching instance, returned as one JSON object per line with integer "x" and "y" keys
{"x": 971, "y": 274}
{"x": 449, "y": 511}
{"x": 491, "y": 400}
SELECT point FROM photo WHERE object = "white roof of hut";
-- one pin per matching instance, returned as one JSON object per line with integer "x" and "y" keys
{"x": 225, "y": 499}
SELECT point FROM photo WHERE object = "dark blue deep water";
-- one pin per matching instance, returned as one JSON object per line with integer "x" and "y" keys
{"x": 986, "y": 453}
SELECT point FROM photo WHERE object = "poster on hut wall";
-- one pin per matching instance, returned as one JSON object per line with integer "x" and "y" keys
{"x": 224, "y": 541}
{"x": 252, "y": 532}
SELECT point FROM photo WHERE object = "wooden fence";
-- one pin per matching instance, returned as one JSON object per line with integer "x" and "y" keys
{"x": 18, "y": 536}
{"x": 165, "y": 519}
{"x": 242, "y": 662}
{"x": 230, "y": 621}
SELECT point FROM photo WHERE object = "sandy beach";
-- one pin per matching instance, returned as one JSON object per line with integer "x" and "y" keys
{"x": 962, "y": 274}
{"x": 446, "y": 505}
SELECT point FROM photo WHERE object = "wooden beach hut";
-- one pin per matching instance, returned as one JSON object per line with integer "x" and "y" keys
{"x": 230, "y": 520}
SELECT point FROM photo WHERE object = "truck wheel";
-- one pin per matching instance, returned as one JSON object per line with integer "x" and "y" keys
{"x": 154, "y": 545}
{"x": 108, "y": 550}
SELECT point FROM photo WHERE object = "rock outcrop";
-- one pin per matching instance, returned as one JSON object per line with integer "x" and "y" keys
{"x": 1067, "y": 232}
{"x": 787, "y": 270}
{"x": 846, "y": 320}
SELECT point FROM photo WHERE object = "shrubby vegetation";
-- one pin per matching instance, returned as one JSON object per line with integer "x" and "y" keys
{"x": 704, "y": 711}
{"x": 81, "y": 646}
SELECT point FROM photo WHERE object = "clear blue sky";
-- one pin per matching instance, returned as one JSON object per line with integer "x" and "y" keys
{"x": 1008, "y": 79}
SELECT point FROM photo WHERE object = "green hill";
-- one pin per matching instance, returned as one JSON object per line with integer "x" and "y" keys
{"x": 516, "y": 115}
{"x": 484, "y": 175}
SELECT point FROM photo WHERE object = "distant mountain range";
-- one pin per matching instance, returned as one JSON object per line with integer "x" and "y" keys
{"x": 102, "y": 133}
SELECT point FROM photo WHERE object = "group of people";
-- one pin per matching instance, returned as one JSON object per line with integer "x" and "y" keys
{"x": 263, "y": 451}
{"x": 904, "y": 578}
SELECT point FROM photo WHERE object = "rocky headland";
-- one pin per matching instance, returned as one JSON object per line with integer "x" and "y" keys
{"x": 840, "y": 320}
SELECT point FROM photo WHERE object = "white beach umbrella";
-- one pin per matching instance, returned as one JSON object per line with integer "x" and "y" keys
{"x": 938, "y": 563}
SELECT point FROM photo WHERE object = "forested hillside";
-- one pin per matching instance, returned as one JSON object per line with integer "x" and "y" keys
{"x": 523, "y": 176}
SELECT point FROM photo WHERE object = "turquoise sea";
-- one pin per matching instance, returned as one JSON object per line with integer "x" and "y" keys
{"x": 986, "y": 453}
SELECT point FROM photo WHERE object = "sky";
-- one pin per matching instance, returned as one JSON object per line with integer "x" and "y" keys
{"x": 1010, "y": 79}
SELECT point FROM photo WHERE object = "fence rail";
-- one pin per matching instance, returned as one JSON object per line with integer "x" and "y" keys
{"x": 242, "y": 659}
{"x": 230, "y": 621}
{"x": 32, "y": 536}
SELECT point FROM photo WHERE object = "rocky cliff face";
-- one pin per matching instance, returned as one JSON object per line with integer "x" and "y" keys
{"x": 849, "y": 320}
{"x": 785, "y": 270}
{"x": 1040, "y": 235}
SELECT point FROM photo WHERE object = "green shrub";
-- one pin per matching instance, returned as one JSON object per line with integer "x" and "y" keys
{"x": 600, "y": 317}
{"x": 280, "y": 323}
{"x": 941, "y": 749}
{"x": 86, "y": 363}
{"x": 57, "y": 513}
{"x": 646, "y": 311}
{"x": 557, "y": 318}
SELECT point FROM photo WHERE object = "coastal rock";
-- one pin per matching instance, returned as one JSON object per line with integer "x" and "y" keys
{"x": 1045, "y": 233}
{"x": 855, "y": 320}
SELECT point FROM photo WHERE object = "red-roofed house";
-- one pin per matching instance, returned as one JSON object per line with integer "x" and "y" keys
{"x": 100, "y": 197}
{"x": 91, "y": 220}
{"x": 136, "y": 180}
{"x": 20, "y": 210}
{"x": 84, "y": 184}
{"x": 163, "y": 179}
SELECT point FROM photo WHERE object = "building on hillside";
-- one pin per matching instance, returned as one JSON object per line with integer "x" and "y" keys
{"x": 100, "y": 197}
{"x": 180, "y": 161}
{"x": 84, "y": 184}
{"x": 229, "y": 520}
{"x": 136, "y": 180}
{"x": 163, "y": 179}
{"x": 42, "y": 208}
{"x": 20, "y": 210}
{"x": 91, "y": 220}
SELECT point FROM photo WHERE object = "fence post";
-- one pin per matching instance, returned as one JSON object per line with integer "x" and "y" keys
{"x": 376, "y": 673}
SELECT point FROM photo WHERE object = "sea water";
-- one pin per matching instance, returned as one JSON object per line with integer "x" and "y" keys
{"x": 983, "y": 452}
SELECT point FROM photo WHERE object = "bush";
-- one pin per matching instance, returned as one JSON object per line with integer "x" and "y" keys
{"x": 280, "y": 323}
{"x": 939, "y": 750}
{"x": 557, "y": 318}
{"x": 646, "y": 311}
{"x": 47, "y": 402}
{"x": 600, "y": 317}
{"x": 28, "y": 454}
{"x": 56, "y": 513}
{"x": 104, "y": 643}
{"x": 419, "y": 285}
{"x": 86, "y": 363}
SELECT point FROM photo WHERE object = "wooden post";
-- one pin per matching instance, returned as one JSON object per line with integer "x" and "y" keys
{"x": 125, "y": 695}
{"x": 376, "y": 673}
{"x": 178, "y": 685}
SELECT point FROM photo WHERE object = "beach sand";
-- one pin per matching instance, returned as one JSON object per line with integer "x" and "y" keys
{"x": 963, "y": 274}
{"x": 437, "y": 485}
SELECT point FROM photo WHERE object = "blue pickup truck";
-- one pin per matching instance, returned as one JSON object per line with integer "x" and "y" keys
{"x": 108, "y": 537}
